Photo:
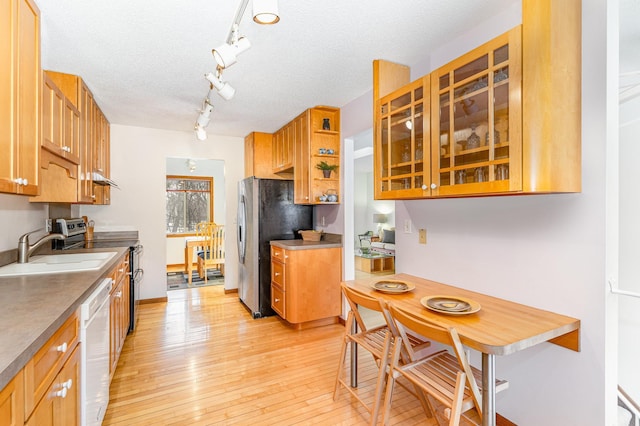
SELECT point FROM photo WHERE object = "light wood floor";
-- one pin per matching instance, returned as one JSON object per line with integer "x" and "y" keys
{"x": 200, "y": 359}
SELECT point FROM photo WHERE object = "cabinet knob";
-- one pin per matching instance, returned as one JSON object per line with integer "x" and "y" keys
{"x": 424, "y": 187}
{"x": 286, "y": 257}
{"x": 62, "y": 348}
{"x": 276, "y": 300}
{"x": 61, "y": 393}
{"x": 276, "y": 254}
{"x": 67, "y": 384}
{"x": 276, "y": 273}
{"x": 434, "y": 186}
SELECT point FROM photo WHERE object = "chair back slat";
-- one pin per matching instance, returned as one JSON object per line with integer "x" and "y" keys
{"x": 357, "y": 298}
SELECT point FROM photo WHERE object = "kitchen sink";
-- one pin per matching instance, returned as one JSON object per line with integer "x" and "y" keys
{"x": 58, "y": 263}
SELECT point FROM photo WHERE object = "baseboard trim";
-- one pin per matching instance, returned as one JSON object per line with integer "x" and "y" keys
{"x": 154, "y": 300}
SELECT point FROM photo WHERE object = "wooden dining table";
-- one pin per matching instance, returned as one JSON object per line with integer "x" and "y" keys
{"x": 500, "y": 327}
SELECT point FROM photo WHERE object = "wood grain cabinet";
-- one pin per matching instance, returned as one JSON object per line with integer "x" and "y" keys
{"x": 20, "y": 90}
{"x": 12, "y": 402}
{"x": 51, "y": 379}
{"x": 283, "y": 148}
{"x": 305, "y": 285}
{"x": 84, "y": 127}
{"x": 499, "y": 120}
{"x": 118, "y": 312}
{"x": 317, "y": 140}
{"x": 258, "y": 153}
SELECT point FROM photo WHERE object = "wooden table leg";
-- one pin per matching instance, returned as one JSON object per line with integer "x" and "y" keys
{"x": 188, "y": 261}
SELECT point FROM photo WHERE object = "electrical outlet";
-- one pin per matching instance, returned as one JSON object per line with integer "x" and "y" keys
{"x": 422, "y": 236}
{"x": 323, "y": 223}
{"x": 407, "y": 226}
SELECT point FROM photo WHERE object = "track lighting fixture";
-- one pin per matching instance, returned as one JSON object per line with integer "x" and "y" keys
{"x": 224, "y": 89}
{"x": 227, "y": 54}
{"x": 265, "y": 11}
{"x": 204, "y": 118}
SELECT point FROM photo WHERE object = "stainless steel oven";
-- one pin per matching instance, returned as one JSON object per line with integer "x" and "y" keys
{"x": 75, "y": 229}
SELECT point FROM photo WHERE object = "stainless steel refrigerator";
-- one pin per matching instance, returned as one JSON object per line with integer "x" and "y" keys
{"x": 266, "y": 212}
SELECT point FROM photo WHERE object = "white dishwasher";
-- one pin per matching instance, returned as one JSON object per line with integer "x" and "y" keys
{"x": 94, "y": 338}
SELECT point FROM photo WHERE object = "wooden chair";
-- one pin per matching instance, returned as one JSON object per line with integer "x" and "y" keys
{"x": 376, "y": 340}
{"x": 449, "y": 379}
{"x": 212, "y": 254}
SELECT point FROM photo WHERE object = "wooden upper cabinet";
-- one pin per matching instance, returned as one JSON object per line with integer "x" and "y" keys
{"x": 283, "y": 149}
{"x": 60, "y": 122}
{"x": 317, "y": 140}
{"x": 502, "y": 119}
{"x": 258, "y": 151}
{"x": 20, "y": 90}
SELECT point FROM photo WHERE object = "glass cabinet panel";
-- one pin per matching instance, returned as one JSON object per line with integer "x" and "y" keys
{"x": 401, "y": 144}
{"x": 473, "y": 122}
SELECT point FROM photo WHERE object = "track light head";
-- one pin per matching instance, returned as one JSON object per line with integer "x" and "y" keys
{"x": 224, "y": 89}
{"x": 201, "y": 133}
{"x": 227, "y": 54}
{"x": 265, "y": 11}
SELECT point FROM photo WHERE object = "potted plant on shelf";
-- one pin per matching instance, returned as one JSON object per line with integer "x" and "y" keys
{"x": 326, "y": 168}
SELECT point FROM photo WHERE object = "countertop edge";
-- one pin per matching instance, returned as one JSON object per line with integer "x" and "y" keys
{"x": 13, "y": 367}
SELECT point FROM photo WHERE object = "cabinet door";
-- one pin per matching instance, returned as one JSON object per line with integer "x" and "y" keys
{"x": 60, "y": 406}
{"x": 20, "y": 81}
{"x": 85, "y": 181}
{"x": 301, "y": 186}
{"x": 12, "y": 402}
{"x": 115, "y": 329}
{"x": 402, "y": 154}
{"x": 476, "y": 136}
{"x": 52, "y": 117}
{"x": 71, "y": 140}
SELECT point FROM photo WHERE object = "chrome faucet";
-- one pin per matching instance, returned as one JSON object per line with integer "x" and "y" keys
{"x": 25, "y": 250}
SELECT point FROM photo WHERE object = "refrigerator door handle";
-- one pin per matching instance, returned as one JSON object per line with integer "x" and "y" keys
{"x": 242, "y": 228}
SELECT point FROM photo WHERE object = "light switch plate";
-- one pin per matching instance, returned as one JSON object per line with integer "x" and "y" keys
{"x": 422, "y": 236}
{"x": 407, "y": 226}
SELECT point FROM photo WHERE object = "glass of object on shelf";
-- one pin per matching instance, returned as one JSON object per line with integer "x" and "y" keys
{"x": 500, "y": 75}
{"x": 473, "y": 141}
{"x": 419, "y": 151}
{"x": 322, "y": 151}
{"x": 479, "y": 174}
{"x": 502, "y": 172}
{"x": 496, "y": 137}
{"x": 332, "y": 196}
{"x": 330, "y": 151}
{"x": 461, "y": 176}
{"x": 326, "y": 124}
{"x": 406, "y": 155}
{"x": 481, "y": 83}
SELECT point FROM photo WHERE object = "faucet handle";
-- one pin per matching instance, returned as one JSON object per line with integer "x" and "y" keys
{"x": 25, "y": 237}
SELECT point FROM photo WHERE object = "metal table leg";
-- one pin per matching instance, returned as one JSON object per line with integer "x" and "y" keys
{"x": 354, "y": 358}
{"x": 488, "y": 390}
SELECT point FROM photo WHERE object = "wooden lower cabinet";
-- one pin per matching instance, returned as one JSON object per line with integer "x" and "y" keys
{"x": 12, "y": 402}
{"x": 61, "y": 402}
{"x": 118, "y": 313}
{"x": 305, "y": 285}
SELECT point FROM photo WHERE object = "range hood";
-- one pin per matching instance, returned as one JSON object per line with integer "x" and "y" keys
{"x": 100, "y": 179}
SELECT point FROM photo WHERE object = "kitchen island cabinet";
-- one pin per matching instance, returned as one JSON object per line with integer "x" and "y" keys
{"x": 305, "y": 282}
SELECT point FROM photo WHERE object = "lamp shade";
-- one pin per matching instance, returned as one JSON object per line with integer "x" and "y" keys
{"x": 265, "y": 11}
{"x": 379, "y": 218}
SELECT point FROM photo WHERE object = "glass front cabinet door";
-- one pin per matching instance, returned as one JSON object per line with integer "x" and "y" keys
{"x": 476, "y": 121}
{"x": 402, "y": 151}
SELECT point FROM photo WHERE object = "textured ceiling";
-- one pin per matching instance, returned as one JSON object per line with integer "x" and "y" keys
{"x": 145, "y": 60}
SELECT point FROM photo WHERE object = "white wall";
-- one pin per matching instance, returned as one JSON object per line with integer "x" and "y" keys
{"x": 18, "y": 216}
{"x": 138, "y": 165}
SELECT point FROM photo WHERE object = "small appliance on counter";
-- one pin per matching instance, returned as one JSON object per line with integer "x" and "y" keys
{"x": 75, "y": 229}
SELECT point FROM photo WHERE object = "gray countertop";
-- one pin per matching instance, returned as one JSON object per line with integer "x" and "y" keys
{"x": 305, "y": 245}
{"x": 33, "y": 307}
